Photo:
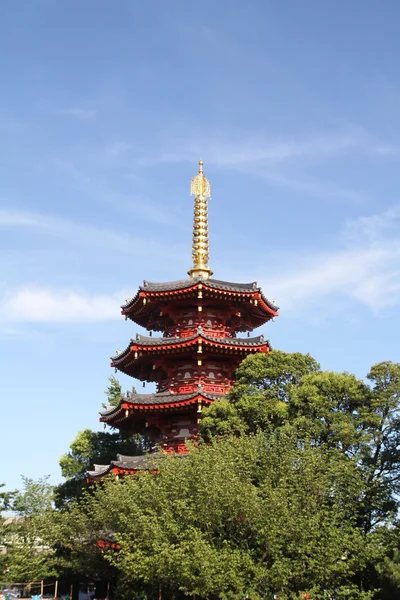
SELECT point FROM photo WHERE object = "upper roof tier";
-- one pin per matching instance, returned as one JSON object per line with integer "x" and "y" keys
{"x": 245, "y": 306}
{"x": 232, "y": 307}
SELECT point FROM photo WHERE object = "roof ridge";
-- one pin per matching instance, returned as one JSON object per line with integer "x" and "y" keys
{"x": 165, "y": 397}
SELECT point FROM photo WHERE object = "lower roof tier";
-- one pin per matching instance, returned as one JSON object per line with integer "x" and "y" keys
{"x": 131, "y": 465}
{"x": 150, "y": 403}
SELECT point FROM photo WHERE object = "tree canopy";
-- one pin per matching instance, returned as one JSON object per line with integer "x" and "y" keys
{"x": 292, "y": 490}
{"x": 281, "y": 391}
{"x": 253, "y": 516}
{"x": 91, "y": 447}
{"x": 27, "y": 556}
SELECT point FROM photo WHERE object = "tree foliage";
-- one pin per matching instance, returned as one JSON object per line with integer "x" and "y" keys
{"x": 241, "y": 516}
{"x": 27, "y": 558}
{"x": 294, "y": 489}
{"x": 260, "y": 398}
{"x": 113, "y": 392}
{"x": 5, "y": 499}
{"x": 282, "y": 391}
{"x": 90, "y": 447}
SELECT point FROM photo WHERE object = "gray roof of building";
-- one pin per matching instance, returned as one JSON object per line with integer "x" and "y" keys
{"x": 151, "y": 286}
{"x": 158, "y": 398}
{"x": 144, "y": 462}
{"x": 181, "y": 284}
{"x": 143, "y": 340}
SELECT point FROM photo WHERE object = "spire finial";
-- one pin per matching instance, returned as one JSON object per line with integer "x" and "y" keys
{"x": 200, "y": 189}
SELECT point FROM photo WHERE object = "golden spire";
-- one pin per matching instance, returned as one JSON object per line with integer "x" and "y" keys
{"x": 200, "y": 189}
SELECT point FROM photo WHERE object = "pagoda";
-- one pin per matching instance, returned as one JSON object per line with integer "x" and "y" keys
{"x": 193, "y": 364}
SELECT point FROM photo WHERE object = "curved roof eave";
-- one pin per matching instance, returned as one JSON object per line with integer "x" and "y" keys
{"x": 181, "y": 284}
{"x": 143, "y": 341}
{"x": 156, "y": 399}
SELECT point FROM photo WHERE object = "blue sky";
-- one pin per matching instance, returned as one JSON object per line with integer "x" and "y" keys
{"x": 105, "y": 110}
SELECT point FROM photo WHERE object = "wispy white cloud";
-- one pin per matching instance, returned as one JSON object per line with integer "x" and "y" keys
{"x": 288, "y": 162}
{"x": 83, "y": 114}
{"x": 37, "y": 304}
{"x": 87, "y": 235}
{"x": 365, "y": 268}
{"x": 93, "y": 186}
{"x": 250, "y": 149}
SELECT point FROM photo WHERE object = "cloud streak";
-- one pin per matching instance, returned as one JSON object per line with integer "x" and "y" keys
{"x": 288, "y": 162}
{"x": 36, "y": 304}
{"x": 254, "y": 149}
{"x": 87, "y": 235}
{"x": 365, "y": 269}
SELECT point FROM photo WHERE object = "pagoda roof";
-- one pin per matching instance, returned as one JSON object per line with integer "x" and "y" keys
{"x": 191, "y": 283}
{"x": 145, "y": 341}
{"x": 130, "y": 464}
{"x": 157, "y": 400}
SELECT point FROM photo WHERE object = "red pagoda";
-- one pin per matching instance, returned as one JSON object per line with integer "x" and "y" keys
{"x": 194, "y": 362}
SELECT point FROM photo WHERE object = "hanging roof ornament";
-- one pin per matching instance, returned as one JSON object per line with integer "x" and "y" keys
{"x": 200, "y": 189}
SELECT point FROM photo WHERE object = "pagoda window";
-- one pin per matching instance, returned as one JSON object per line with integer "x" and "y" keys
{"x": 187, "y": 375}
{"x": 211, "y": 375}
{"x": 190, "y": 322}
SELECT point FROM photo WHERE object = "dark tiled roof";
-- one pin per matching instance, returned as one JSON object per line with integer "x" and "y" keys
{"x": 231, "y": 286}
{"x": 158, "y": 398}
{"x": 143, "y": 340}
{"x": 234, "y": 341}
{"x": 153, "y": 341}
{"x": 149, "y": 286}
{"x": 147, "y": 461}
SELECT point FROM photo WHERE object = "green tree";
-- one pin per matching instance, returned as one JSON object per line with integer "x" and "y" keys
{"x": 380, "y": 456}
{"x": 27, "y": 557}
{"x": 90, "y": 447}
{"x": 5, "y": 499}
{"x": 253, "y": 515}
{"x": 260, "y": 398}
{"x": 336, "y": 410}
{"x": 296, "y": 491}
{"x": 35, "y": 498}
{"x": 113, "y": 392}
